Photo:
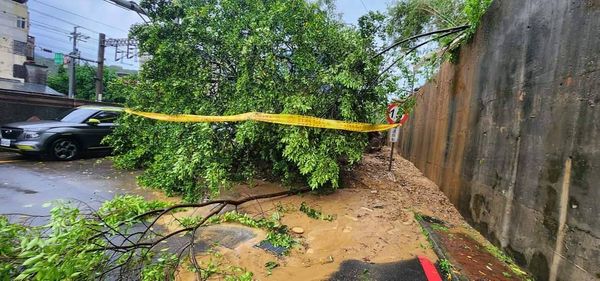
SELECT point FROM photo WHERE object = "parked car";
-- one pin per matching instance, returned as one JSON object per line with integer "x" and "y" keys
{"x": 65, "y": 138}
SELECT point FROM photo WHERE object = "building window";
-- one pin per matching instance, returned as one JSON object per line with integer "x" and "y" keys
{"x": 21, "y": 22}
{"x": 19, "y": 48}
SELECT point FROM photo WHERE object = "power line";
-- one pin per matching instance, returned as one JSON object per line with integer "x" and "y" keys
{"x": 118, "y": 6}
{"x": 59, "y": 19}
{"x": 87, "y": 18}
{"x": 364, "y": 6}
{"x": 128, "y": 6}
{"x": 48, "y": 26}
{"x": 46, "y": 37}
{"x": 60, "y": 31}
{"x": 49, "y": 47}
{"x": 45, "y": 30}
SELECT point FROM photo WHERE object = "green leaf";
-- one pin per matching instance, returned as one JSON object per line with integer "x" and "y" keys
{"x": 34, "y": 259}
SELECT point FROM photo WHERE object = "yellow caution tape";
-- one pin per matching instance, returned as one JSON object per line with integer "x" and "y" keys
{"x": 285, "y": 119}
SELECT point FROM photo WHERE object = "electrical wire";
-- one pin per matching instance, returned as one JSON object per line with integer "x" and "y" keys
{"x": 35, "y": 28}
{"x": 364, "y": 6}
{"x": 79, "y": 47}
{"x": 50, "y": 47}
{"x": 87, "y": 18}
{"x": 62, "y": 31}
{"x": 47, "y": 37}
{"x": 82, "y": 48}
{"x": 114, "y": 4}
{"x": 48, "y": 26}
{"x": 65, "y": 21}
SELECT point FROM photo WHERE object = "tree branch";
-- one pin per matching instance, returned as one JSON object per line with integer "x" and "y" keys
{"x": 452, "y": 29}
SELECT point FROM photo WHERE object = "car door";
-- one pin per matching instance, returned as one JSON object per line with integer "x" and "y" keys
{"x": 107, "y": 123}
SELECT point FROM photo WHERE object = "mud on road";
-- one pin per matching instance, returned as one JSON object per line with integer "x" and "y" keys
{"x": 374, "y": 235}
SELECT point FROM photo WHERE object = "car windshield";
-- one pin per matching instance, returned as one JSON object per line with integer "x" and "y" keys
{"x": 77, "y": 115}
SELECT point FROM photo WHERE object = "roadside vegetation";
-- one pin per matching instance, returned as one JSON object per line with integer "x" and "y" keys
{"x": 85, "y": 79}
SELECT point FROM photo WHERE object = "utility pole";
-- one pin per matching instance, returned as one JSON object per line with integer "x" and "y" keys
{"x": 100, "y": 69}
{"x": 73, "y": 55}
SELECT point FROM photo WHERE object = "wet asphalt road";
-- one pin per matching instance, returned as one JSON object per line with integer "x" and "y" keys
{"x": 26, "y": 184}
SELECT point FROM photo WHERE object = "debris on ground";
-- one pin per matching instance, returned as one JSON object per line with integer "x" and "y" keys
{"x": 374, "y": 227}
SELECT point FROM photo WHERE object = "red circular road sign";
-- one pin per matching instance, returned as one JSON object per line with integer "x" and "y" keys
{"x": 392, "y": 113}
{"x": 403, "y": 119}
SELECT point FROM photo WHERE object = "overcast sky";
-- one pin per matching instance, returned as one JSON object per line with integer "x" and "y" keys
{"x": 52, "y": 20}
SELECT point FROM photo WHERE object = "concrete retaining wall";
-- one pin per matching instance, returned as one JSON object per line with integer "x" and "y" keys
{"x": 511, "y": 133}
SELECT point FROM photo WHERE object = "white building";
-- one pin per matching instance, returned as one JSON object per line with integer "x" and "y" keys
{"x": 15, "y": 49}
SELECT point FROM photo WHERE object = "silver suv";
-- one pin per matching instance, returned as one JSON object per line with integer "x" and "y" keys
{"x": 65, "y": 138}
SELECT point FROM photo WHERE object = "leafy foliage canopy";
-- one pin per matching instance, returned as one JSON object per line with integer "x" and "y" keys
{"x": 85, "y": 83}
{"x": 234, "y": 56}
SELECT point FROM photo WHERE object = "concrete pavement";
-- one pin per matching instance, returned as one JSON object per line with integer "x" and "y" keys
{"x": 26, "y": 184}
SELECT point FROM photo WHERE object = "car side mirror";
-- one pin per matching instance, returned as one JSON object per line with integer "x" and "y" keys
{"x": 93, "y": 121}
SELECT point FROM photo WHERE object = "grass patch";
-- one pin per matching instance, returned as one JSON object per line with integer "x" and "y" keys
{"x": 270, "y": 265}
{"x": 439, "y": 227}
{"x": 446, "y": 268}
{"x": 215, "y": 266}
{"x": 315, "y": 214}
{"x": 500, "y": 255}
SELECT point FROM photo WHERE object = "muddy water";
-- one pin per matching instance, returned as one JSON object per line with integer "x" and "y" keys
{"x": 374, "y": 225}
{"x": 369, "y": 227}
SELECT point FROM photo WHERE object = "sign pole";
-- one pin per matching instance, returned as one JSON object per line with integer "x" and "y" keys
{"x": 392, "y": 118}
{"x": 391, "y": 155}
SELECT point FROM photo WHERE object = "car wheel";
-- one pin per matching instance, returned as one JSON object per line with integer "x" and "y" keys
{"x": 64, "y": 149}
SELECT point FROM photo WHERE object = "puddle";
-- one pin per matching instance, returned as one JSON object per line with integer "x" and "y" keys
{"x": 17, "y": 189}
{"x": 373, "y": 237}
{"x": 224, "y": 235}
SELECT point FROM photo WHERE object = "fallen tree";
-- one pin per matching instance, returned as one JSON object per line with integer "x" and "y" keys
{"x": 232, "y": 57}
{"x": 123, "y": 239}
